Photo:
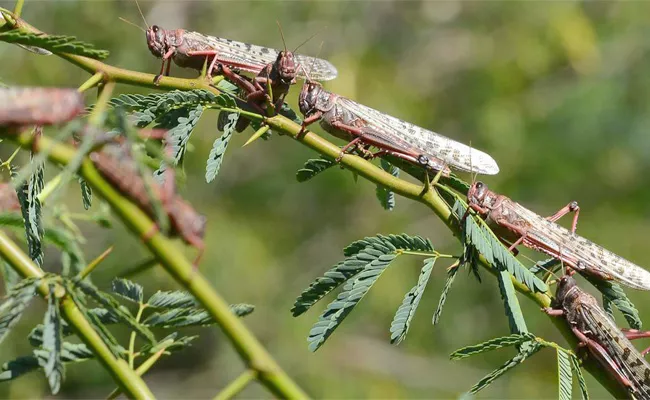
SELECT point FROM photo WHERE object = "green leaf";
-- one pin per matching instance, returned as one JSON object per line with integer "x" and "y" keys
{"x": 31, "y": 210}
{"x": 219, "y": 147}
{"x": 128, "y": 290}
{"x": 402, "y": 319}
{"x": 185, "y": 317}
{"x": 575, "y": 365}
{"x": 613, "y": 294}
{"x": 171, "y": 299}
{"x": 352, "y": 293}
{"x": 16, "y": 301}
{"x": 492, "y": 344}
{"x": 86, "y": 193}
{"x": 118, "y": 311}
{"x": 9, "y": 275}
{"x": 54, "y": 43}
{"x": 288, "y": 112}
{"x": 313, "y": 167}
{"x": 565, "y": 377}
{"x": 516, "y": 360}
{"x": 451, "y": 276}
{"x": 359, "y": 255}
{"x": 94, "y": 320}
{"x": 35, "y": 337}
{"x": 52, "y": 342}
{"x": 386, "y": 196}
{"x": 181, "y": 123}
{"x": 18, "y": 367}
{"x": 479, "y": 236}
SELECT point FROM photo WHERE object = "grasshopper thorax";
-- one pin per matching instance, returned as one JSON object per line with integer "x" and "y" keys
{"x": 314, "y": 98}
{"x": 285, "y": 64}
{"x": 156, "y": 40}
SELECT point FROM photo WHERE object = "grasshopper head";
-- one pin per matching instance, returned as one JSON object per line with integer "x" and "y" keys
{"x": 156, "y": 40}
{"x": 478, "y": 194}
{"x": 286, "y": 66}
{"x": 564, "y": 286}
{"x": 309, "y": 96}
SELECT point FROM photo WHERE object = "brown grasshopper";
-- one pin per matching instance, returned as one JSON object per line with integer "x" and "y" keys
{"x": 8, "y": 198}
{"x": 193, "y": 50}
{"x": 602, "y": 337}
{"x": 24, "y": 106}
{"x": 518, "y": 225}
{"x": 359, "y": 124}
{"x": 117, "y": 166}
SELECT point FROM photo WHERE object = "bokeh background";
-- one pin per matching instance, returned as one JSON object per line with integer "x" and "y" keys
{"x": 557, "y": 92}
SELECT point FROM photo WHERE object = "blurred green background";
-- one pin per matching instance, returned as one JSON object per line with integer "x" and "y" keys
{"x": 558, "y": 93}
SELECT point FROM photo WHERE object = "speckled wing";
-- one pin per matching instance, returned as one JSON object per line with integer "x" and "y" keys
{"x": 253, "y": 58}
{"x": 631, "y": 363}
{"x": 574, "y": 247}
{"x": 455, "y": 154}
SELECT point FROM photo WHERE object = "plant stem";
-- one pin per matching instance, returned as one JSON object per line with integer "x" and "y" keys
{"x": 236, "y": 386}
{"x": 249, "y": 348}
{"x": 125, "y": 377}
{"x": 141, "y": 370}
{"x": 94, "y": 263}
{"x": 174, "y": 263}
{"x": 91, "y": 82}
{"x": 141, "y": 308}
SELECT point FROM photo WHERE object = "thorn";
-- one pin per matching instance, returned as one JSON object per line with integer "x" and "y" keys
{"x": 257, "y": 135}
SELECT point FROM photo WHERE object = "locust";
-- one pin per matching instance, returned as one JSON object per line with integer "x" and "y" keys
{"x": 518, "y": 225}
{"x": 23, "y": 106}
{"x": 117, "y": 166}
{"x": 190, "y": 49}
{"x": 362, "y": 125}
{"x": 608, "y": 344}
{"x": 8, "y": 198}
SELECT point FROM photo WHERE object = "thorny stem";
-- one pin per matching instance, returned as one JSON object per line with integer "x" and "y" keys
{"x": 249, "y": 348}
{"x": 128, "y": 380}
{"x": 141, "y": 370}
{"x": 91, "y": 82}
{"x": 94, "y": 263}
{"x": 179, "y": 267}
{"x": 235, "y": 387}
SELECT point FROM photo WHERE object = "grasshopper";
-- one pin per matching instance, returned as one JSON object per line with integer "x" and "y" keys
{"x": 604, "y": 340}
{"x": 362, "y": 125}
{"x": 192, "y": 50}
{"x": 116, "y": 165}
{"x": 39, "y": 106}
{"x": 518, "y": 225}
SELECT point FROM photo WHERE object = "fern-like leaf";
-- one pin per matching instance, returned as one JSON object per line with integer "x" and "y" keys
{"x": 582, "y": 384}
{"x": 507, "y": 366}
{"x": 613, "y": 294}
{"x": 451, "y": 276}
{"x": 386, "y": 196}
{"x": 171, "y": 299}
{"x": 220, "y": 146}
{"x": 402, "y": 319}
{"x": 52, "y": 343}
{"x": 86, "y": 193}
{"x": 492, "y": 344}
{"x": 312, "y": 168}
{"x": 54, "y": 43}
{"x": 481, "y": 238}
{"x": 358, "y": 254}
{"x": 16, "y": 301}
{"x": 352, "y": 293}
{"x": 185, "y": 317}
{"x": 565, "y": 377}
{"x": 128, "y": 290}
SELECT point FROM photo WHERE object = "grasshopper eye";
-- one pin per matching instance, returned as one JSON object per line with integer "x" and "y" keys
{"x": 155, "y": 28}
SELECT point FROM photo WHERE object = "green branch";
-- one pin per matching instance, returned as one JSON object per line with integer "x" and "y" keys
{"x": 127, "y": 379}
{"x": 180, "y": 268}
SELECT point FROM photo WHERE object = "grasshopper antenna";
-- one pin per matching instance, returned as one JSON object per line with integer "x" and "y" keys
{"x": 141, "y": 14}
{"x": 282, "y": 35}
{"x": 308, "y": 39}
{"x": 131, "y": 23}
